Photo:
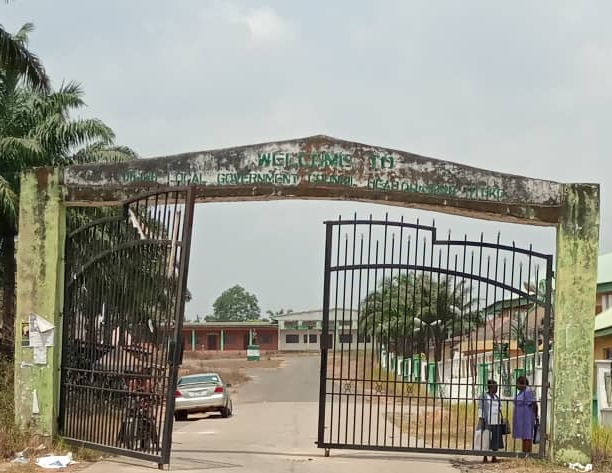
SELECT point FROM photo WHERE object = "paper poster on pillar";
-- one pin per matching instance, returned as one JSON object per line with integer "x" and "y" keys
{"x": 42, "y": 332}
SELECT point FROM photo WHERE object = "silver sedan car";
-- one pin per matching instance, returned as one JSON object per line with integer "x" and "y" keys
{"x": 204, "y": 392}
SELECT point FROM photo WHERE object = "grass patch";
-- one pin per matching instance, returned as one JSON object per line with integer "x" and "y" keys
{"x": 12, "y": 439}
{"x": 602, "y": 448}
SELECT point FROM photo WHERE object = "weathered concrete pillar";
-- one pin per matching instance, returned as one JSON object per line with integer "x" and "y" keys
{"x": 40, "y": 274}
{"x": 574, "y": 318}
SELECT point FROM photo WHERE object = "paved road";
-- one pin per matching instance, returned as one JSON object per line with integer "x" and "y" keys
{"x": 273, "y": 431}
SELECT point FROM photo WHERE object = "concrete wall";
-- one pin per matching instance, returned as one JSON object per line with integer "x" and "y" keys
{"x": 40, "y": 273}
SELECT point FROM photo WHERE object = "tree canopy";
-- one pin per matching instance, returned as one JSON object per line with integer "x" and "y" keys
{"x": 37, "y": 129}
{"x": 413, "y": 313}
{"x": 235, "y": 305}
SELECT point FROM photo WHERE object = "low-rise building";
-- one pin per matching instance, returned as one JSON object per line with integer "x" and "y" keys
{"x": 230, "y": 336}
{"x": 302, "y": 331}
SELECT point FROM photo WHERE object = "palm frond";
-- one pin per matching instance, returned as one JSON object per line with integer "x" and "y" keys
{"x": 68, "y": 97}
{"x": 102, "y": 153}
{"x": 58, "y": 133}
{"x": 15, "y": 148}
{"x": 16, "y": 58}
{"x": 22, "y": 34}
{"x": 8, "y": 202}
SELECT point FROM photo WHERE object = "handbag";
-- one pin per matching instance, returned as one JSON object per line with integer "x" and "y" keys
{"x": 505, "y": 426}
{"x": 482, "y": 439}
{"x": 536, "y": 432}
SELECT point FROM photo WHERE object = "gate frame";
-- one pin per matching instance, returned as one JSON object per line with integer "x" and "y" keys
{"x": 339, "y": 268}
{"x": 44, "y": 196}
{"x": 175, "y": 339}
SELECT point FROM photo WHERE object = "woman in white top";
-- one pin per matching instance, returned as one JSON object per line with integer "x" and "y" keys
{"x": 490, "y": 418}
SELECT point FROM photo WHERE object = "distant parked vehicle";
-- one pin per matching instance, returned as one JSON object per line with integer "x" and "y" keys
{"x": 204, "y": 392}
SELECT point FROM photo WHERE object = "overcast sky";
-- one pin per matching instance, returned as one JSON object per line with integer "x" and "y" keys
{"x": 522, "y": 87}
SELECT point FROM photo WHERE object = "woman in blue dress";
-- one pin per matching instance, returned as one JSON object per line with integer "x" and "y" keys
{"x": 525, "y": 414}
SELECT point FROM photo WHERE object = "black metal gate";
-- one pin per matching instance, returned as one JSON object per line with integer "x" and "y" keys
{"x": 125, "y": 290}
{"x": 418, "y": 327}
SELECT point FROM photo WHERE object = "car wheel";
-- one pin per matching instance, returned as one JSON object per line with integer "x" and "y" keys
{"x": 227, "y": 411}
{"x": 180, "y": 415}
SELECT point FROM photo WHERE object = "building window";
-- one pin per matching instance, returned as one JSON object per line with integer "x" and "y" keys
{"x": 606, "y": 301}
{"x": 313, "y": 338}
{"x": 346, "y": 338}
{"x": 265, "y": 338}
{"x": 608, "y": 353}
{"x": 292, "y": 338}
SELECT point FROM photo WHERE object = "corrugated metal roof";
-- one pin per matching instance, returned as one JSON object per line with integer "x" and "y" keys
{"x": 603, "y": 320}
{"x": 604, "y": 268}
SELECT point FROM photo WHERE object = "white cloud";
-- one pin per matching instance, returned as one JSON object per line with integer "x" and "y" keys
{"x": 263, "y": 23}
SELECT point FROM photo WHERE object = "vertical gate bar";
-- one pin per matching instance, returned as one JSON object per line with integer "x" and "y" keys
{"x": 460, "y": 360}
{"x": 445, "y": 397}
{"x": 404, "y": 342}
{"x": 483, "y": 317}
{"x": 349, "y": 394}
{"x": 342, "y": 334}
{"x": 526, "y": 323}
{"x": 545, "y": 356}
{"x": 510, "y": 323}
{"x": 360, "y": 335}
{"x": 158, "y": 264}
{"x": 112, "y": 438}
{"x": 469, "y": 399}
{"x": 375, "y": 351}
{"x": 502, "y": 367}
{"x": 536, "y": 351}
{"x": 335, "y": 344}
{"x": 164, "y": 317}
{"x": 324, "y": 341}
{"x": 469, "y": 343}
{"x": 443, "y": 335}
{"x": 431, "y": 334}
{"x": 382, "y": 321}
{"x": 475, "y": 323}
{"x": 389, "y": 339}
{"x": 397, "y": 337}
{"x": 178, "y": 321}
{"x": 412, "y": 341}
{"x": 371, "y": 335}
{"x": 420, "y": 382}
{"x": 150, "y": 252}
{"x": 510, "y": 358}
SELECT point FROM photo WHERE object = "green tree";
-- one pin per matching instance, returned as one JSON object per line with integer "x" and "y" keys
{"x": 235, "y": 305}
{"x": 16, "y": 58}
{"x": 37, "y": 130}
{"x": 413, "y": 313}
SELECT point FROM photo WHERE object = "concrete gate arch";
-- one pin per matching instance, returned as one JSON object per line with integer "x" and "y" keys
{"x": 321, "y": 167}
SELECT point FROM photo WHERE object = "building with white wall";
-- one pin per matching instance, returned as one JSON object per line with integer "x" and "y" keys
{"x": 301, "y": 331}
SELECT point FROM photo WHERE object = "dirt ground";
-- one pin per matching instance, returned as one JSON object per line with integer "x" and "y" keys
{"x": 506, "y": 465}
{"x": 231, "y": 370}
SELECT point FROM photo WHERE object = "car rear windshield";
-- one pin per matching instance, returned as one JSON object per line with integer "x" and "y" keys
{"x": 208, "y": 378}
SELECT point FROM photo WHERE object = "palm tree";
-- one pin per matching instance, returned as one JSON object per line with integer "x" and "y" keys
{"x": 36, "y": 130}
{"x": 16, "y": 58}
{"x": 416, "y": 312}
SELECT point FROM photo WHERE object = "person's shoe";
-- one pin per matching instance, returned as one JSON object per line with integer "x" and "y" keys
{"x": 485, "y": 460}
{"x": 494, "y": 460}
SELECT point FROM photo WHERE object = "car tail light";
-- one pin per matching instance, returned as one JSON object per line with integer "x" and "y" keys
{"x": 177, "y": 393}
{"x": 218, "y": 389}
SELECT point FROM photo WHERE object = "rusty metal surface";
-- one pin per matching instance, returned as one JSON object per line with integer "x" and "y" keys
{"x": 325, "y": 168}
